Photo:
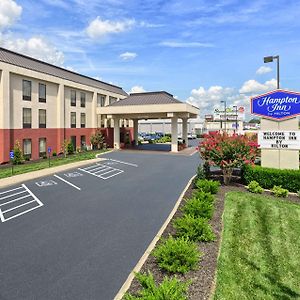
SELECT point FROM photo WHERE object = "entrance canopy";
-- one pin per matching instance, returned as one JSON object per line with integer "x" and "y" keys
{"x": 151, "y": 105}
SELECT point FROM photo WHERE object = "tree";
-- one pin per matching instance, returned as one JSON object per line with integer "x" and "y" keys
{"x": 97, "y": 139}
{"x": 64, "y": 148}
{"x": 228, "y": 152}
{"x": 18, "y": 154}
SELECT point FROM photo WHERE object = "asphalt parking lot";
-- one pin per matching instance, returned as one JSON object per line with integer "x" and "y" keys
{"x": 78, "y": 234}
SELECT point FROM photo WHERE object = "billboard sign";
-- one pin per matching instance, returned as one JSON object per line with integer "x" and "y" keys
{"x": 277, "y": 105}
{"x": 231, "y": 114}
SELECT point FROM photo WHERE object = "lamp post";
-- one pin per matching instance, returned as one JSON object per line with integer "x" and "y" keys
{"x": 268, "y": 59}
{"x": 236, "y": 118}
{"x": 225, "y": 108}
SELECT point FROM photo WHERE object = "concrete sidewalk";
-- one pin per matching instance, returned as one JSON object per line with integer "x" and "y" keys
{"x": 45, "y": 172}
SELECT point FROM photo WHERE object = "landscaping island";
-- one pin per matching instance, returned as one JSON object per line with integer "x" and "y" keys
{"x": 232, "y": 241}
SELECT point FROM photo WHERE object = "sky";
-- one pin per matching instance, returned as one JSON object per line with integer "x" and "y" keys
{"x": 202, "y": 52}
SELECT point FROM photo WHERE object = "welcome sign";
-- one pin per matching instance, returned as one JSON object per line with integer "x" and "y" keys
{"x": 276, "y": 105}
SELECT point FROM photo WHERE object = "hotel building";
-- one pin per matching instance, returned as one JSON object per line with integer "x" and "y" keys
{"x": 42, "y": 105}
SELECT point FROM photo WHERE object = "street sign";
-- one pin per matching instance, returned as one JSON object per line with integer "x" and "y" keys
{"x": 277, "y": 105}
{"x": 49, "y": 149}
{"x": 11, "y": 154}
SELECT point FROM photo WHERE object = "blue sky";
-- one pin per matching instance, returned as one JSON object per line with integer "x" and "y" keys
{"x": 200, "y": 51}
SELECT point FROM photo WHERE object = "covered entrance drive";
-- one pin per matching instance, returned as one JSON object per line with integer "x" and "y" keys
{"x": 152, "y": 105}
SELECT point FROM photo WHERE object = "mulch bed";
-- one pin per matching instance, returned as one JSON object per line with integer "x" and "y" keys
{"x": 203, "y": 279}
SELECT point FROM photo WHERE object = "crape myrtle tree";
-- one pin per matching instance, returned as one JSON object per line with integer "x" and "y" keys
{"x": 228, "y": 151}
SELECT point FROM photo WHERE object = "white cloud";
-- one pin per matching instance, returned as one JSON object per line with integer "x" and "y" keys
{"x": 10, "y": 12}
{"x": 99, "y": 28}
{"x": 137, "y": 89}
{"x": 36, "y": 47}
{"x": 150, "y": 25}
{"x": 252, "y": 86}
{"x": 209, "y": 99}
{"x": 206, "y": 99}
{"x": 174, "y": 44}
{"x": 128, "y": 55}
{"x": 263, "y": 70}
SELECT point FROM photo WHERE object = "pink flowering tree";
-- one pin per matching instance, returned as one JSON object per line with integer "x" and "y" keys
{"x": 228, "y": 152}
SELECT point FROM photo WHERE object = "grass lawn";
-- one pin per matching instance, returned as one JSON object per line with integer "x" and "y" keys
{"x": 43, "y": 164}
{"x": 260, "y": 251}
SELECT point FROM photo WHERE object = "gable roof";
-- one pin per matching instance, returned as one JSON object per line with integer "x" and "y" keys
{"x": 33, "y": 64}
{"x": 147, "y": 98}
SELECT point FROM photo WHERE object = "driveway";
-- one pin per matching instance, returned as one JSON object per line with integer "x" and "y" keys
{"x": 78, "y": 234}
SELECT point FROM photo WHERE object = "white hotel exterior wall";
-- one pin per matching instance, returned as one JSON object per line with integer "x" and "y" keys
{"x": 17, "y": 103}
{"x": 58, "y": 105}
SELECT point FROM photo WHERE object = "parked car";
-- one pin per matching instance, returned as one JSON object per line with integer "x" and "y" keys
{"x": 192, "y": 136}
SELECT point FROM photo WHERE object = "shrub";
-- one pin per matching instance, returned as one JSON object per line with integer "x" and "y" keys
{"x": 268, "y": 177}
{"x": 194, "y": 228}
{"x": 198, "y": 208}
{"x": 177, "y": 255}
{"x": 298, "y": 193}
{"x": 70, "y": 148}
{"x": 278, "y": 191}
{"x": 228, "y": 152}
{"x": 254, "y": 187}
{"x": 18, "y": 154}
{"x": 208, "y": 186}
{"x": 54, "y": 153}
{"x": 201, "y": 174}
{"x": 164, "y": 139}
{"x": 170, "y": 288}
{"x": 204, "y": 197}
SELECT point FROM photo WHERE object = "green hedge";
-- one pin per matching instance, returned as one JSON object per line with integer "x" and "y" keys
{"x": 268, "y": 177}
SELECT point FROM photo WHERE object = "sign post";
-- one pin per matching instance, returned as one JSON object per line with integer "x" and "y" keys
{"x": 12, "y": 156}
{"x": 49, "y": 154}
{"x": 279, "y": 137}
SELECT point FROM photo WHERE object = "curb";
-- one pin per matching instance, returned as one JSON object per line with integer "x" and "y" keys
{"x": 5, "y": 182}
{"x": 151, "y": 246}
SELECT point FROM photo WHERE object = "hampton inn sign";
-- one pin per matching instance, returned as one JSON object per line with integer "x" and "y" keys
{"x": 279, "y": 138}
{"x": 276, "y": 105}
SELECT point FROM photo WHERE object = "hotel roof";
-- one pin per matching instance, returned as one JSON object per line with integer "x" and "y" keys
{"x": 33, "y": 64}
{"x": 146, "y": 98}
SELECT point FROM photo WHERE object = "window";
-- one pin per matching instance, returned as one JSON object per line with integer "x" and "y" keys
{"x": 26, "y": 117}
{"x": 112, "y": 100}
{"x": 42, "y": 147}
{"x": 27, "y": 90}
{"x": 42, "y": 118}
{"x": 83, "y": 141}
{"x": 42, "y": 92}
{"x": 73, "y": 119}
{"x": 82, "y": 120}
{"x": 82, "y": 99}
{"x": 27, "y": 148}
{"x": 101, "y": 100}
{"x": 73, "y": 98}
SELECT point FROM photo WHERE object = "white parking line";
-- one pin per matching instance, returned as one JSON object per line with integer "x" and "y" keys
{"x": 5, "y": 192}
{"x": 107, "y": 177}
{"x": 15, "y": 207}
{"x": 123, "y": 162}
{"x": 29, "y": 194}
{"x": 11, "y": 195}
{"x": 67, "y": 182}
{"x": 101, "y": 170}
{"x": 20, "y": 198}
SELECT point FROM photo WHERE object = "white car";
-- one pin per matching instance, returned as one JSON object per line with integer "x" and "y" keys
{"x": 192, "y": 136}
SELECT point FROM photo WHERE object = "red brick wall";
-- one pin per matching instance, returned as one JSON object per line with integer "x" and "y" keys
{"x": 54, "y": 137}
